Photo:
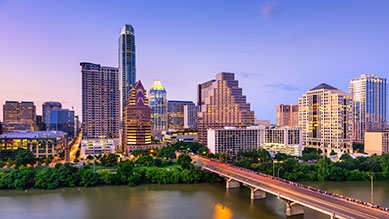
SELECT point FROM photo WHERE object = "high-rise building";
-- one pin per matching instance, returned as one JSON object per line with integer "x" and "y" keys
{"x": 273, "y": 139}
{"x": 77, "y": 124}
{"x": 62, "y": 120}
{"x": 47, "y": 107}
{"x": 127, "y": 70}
{"x": 222, "y": 104}
{"x": 287, "y": 115}
{"x": 100, "y": 100}
{"x": 175, "y": 113}
{"x": 325, "y": 117}
{"x": 137, "y": 130}
{"x": 39, "y": 123}
{"x": 191, "y": 116}
{"x": 369, "y": 94}
{"x": 158, "y": 105}
{"x": 19, "y": 116}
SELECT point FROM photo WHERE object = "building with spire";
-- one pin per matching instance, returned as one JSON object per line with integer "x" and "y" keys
{"x": 369, "y": 94}
{"x": 222, "y": 104}
{"x": 325, "y": 117}
{"x": 127, "y": 70}
{"x": 137, "y": 129}
{"x": 158, "y": 105}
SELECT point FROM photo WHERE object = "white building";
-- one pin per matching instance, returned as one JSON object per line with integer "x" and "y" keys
{"x": 325, "y": 117}
{"x": 277, "y": 140}
{"x": 95, "y": 147}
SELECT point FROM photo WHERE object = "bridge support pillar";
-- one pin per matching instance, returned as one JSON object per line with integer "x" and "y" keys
{"x": 257, "y": 194}
{"x": 230, "y": 183}
{"x": 293, "y": 208}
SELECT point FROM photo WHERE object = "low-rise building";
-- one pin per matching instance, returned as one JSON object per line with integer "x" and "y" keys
{"x": 377, "y": 142}
{"x": 184, "y": 135}
{"x": 97, "y": 146}
{"x": 274, "y": 139}
{"x": 41, "y": 143}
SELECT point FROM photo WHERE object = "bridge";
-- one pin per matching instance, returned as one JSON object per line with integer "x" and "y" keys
{"x": 294, "y": 195}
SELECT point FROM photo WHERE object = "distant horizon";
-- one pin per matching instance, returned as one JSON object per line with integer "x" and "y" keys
{"x": 277, "y": 49}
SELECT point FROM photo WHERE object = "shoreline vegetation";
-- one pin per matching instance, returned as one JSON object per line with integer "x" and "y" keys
{"x": 161, "y": 166}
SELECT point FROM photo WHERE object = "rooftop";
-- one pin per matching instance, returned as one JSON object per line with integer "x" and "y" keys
{"x": 324, "y": 86}
{"x": 34, "y": 134}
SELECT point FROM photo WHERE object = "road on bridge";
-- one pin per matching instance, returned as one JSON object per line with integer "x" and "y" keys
{"x": 306, "y": 197}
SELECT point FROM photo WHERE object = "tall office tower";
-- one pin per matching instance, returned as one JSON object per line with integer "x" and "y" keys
{"x": 222, "y": 104}
{"x": 287, "y": 115}
{"x": 175, "y": 113}
{"x": 19, "y": 116}
{"x": 191, "y": 116}
{"x": 39, "y": 123}
{"x": 137, "y": 129}
{"x": 325, "y": 116}
{"x": 62, "y": 120}
{"x": 203, "y": 92}
{"x": 100, "y": 100}
{"x": 47, "y": 107}
{"x": 369, "y": 94}
{"x": 158, "y": 104}
{"x": 127, "y": 70}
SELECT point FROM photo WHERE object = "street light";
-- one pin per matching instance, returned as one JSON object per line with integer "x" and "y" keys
{"x": 279, "y": 171}
{"x": 371, "y": 189}
{"x": 274, "y": 167}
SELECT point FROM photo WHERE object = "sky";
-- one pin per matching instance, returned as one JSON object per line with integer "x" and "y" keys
{"x": 278, "y": 49}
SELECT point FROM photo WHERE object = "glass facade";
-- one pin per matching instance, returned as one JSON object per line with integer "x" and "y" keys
{"x": 175, "y": 113}
{"x": 369, "y": 94}
{"x": 158, "y": 105}
{"x": 62, "y": 120}
{"x": 127, "y": 70}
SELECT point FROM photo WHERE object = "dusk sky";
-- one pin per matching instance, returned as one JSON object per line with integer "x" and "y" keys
{"x": 278, "y": 49}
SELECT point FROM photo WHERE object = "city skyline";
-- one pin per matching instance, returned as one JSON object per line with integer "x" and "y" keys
{"x": 269, "y": 33}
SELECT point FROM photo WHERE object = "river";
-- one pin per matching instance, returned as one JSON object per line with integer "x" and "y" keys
{"x": 182, "y": 201}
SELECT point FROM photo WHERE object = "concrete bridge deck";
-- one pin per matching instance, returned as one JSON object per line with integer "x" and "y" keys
{"x": 294, "y": 196}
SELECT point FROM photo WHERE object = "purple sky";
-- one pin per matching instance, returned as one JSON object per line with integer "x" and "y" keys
{"x": 278, "y": 49}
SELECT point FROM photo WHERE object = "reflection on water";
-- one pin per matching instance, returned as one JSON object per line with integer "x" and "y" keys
{"x": 208, "y": 201}
{"x": 222, "y": 212}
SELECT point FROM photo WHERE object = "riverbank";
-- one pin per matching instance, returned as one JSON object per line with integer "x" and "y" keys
{"x": 152, "y": 201}
{"x": 124, "y": 173}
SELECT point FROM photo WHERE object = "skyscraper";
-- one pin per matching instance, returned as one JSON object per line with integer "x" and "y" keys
{"x": 287, "y": 115}
{"x": 191, "y": 116}
{"x": 100, "y": 100}
{"x": 158, "y": 104}
{"x": 19, "y": 116}
{"x": 175, "y": 113}
{"x": 137, "y": 130}
{"x": 369, "y": 94}
{"x": 62, "y": 120}
{"x": 222, "y": 104}
{"x": 127, "y": 70}
{"x": 47, "y": 107}
{"x": 325, "y": 117}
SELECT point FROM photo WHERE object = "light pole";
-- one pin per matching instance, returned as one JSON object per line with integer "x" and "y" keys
{"x": 371, "y": 189}
{"x": 279, "y": 171}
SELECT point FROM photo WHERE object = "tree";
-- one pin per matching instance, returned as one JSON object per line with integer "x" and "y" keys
{"x": 323, "y": 171}
{"x": 24, "y": 157}
{"x": 185, "y": 161}
{"x": 88, "y": 177}
{"x": 47, "y": 179}
{"x": 167, "y": 152}
{"x": 1, "y": 163}
{"x": 158, "y": 162}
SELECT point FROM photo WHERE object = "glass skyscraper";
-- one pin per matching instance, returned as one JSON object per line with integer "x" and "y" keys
{"x": 127, "y": 71}
{"x": 47, "y": 107}
{"x": 62, "y": 120}
{"x": 369, "y": 94}
{"x": 158, "y": 104}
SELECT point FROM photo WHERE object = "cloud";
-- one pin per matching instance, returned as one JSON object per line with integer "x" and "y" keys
{"x": 282, "y": 87}
{"x": 269, "y": 9}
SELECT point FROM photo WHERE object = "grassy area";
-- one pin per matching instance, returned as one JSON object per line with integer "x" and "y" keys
{"x": 172, "y": 166}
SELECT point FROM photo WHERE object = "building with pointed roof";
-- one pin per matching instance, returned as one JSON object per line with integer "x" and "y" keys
{"x": 325, "y": 117}
{"x": 137, "y": 130}
{"x": 158, "y": 105}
